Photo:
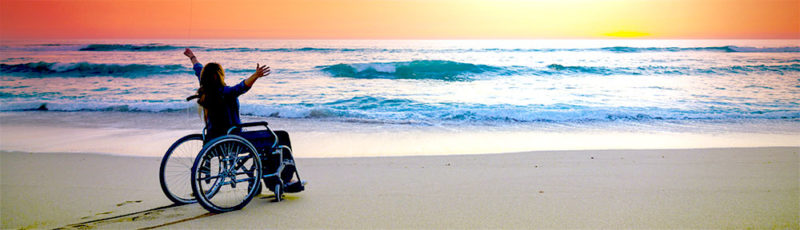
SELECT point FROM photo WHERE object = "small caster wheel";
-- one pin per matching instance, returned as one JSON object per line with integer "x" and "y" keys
{"x": 278, "y": 193}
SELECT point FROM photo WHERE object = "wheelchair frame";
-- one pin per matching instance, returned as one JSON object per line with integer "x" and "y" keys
{"x": 226, "y": 151}
{"x": 276, "y": 150}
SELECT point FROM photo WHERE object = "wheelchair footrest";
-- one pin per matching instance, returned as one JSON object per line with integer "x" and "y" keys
{"x": 295, "y": 186}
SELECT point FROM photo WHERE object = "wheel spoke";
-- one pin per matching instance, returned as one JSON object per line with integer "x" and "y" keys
{"x": 208, "y": 178}
{"x": 176, "y": 168}
{"x": 234, "y": 162}
{"x": 238, "y": 181}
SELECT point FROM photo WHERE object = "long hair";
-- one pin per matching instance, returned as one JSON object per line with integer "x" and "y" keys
{"x": 212, "y": 78}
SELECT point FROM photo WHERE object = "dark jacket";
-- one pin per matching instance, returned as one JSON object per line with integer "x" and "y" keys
{"x": 222, "y": 117}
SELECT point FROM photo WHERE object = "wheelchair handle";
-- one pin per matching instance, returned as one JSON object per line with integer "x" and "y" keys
{"x": 251, "y": 124}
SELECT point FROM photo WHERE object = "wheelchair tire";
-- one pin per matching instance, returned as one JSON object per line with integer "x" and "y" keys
{"x": 226, "y": 174}
{"x": 176, "y": 169}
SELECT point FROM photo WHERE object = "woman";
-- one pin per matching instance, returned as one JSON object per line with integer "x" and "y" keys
{"x": 220, "y": 105}
{"x": 220, "y": 102}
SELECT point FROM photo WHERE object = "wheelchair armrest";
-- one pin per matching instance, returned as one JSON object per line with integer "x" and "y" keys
{"x": 250, "y": 124}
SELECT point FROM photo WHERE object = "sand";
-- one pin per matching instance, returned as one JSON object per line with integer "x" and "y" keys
{"x": 678, "y": 188}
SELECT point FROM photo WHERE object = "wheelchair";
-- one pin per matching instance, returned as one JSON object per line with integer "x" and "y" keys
{"x": 223, "y": 174}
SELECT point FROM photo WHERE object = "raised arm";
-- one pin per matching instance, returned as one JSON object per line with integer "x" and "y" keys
{"x": 260, "y": 72}
{"x": 245, "y": 85}
{"x": 191, "y": 56}
{"x": 195, "y": 64}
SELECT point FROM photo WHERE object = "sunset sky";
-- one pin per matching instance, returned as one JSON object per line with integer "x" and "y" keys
{"x": 399, "y": 19}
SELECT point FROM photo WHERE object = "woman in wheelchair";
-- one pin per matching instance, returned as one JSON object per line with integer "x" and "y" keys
{"x": 220, "y": 106}
{"x": 220, "y": 102}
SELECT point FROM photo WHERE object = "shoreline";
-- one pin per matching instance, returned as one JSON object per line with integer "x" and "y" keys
{"x": 686, "y": 188}
{"x": 150, "y": 134}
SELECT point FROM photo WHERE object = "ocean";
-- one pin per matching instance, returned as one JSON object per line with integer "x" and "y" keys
{"x": 684, "y": 87}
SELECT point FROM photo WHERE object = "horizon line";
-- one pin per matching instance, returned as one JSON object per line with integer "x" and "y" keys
{"x": 403, "y": 38}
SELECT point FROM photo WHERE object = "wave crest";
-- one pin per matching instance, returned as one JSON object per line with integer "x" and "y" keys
{"x": 558, "y": 69}
{"x": 394, "y": 110}
{"x": 420, "y": 69}
{"x": 84, "y": 69}
{"x": 129, "y": 47}
{"x": 457, "y": 71}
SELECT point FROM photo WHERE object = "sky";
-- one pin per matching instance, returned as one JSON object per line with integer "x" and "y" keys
{"x": 399, "y": 19}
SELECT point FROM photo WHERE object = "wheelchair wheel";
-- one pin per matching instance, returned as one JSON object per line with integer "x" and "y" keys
{"x": 226, "y": 174}
{"x": 176, "y": 169}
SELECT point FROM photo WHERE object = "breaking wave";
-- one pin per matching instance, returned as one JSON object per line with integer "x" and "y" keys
{"x": 130, "y": 47}
{"x": 390, "y": 110}
{"x": 458, "y": 71}
{"x": 421, "y": 69}
{"x": 85, "y": 69}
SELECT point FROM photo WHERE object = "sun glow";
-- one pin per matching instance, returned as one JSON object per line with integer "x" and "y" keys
{"x": 627, "y": 34}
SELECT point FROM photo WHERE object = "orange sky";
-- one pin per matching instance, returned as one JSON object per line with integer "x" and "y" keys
{"x": 399, "y": 19}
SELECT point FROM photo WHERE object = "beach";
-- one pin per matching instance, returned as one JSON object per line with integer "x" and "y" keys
{"x": 416, "y": 134}
{"x": 671, "y": 188}
{"x": 100, "y": 170}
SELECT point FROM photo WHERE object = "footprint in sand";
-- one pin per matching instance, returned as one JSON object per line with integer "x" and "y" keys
{"x": 129, "y": 202}
{"x": 98, "y": 214}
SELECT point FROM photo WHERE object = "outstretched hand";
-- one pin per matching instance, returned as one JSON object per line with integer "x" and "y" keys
{"x": 262, "y": 70}
{"x": 188, "y": 53}
{"x": 191, "y": 56}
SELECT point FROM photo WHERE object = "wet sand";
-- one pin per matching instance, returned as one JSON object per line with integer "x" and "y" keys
{"x": 150, "y": 134}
